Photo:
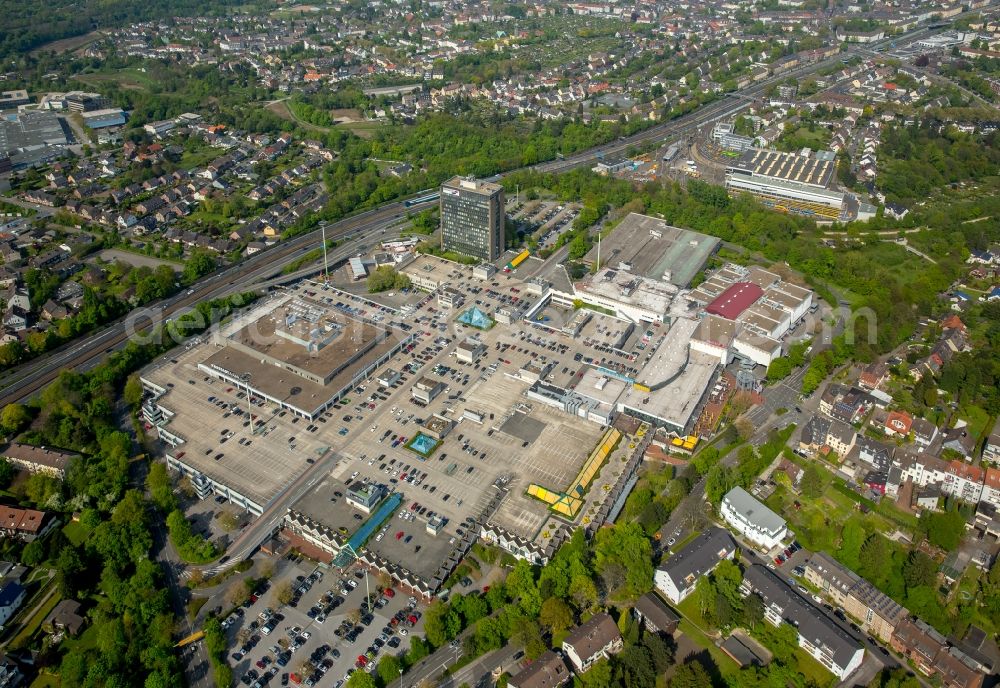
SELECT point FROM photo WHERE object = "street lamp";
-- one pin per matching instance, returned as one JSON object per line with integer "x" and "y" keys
{"x": 326, "y": 265}
{"x": 245, "y": 379}
{"x": 401, "y": 678}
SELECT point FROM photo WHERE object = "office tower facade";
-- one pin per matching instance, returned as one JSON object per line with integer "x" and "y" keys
{"x": 472, "y": 218}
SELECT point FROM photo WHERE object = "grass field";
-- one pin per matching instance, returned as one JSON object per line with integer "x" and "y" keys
{"x": 76, "y": 532}
{"x": 976, "y": 417}
{"x": 131, "y": 79}
{"x": 691, "y": 625}
{"x": 815, "y": 673}
{"x": 31, "y": 624}
{"x": 46, "y": 681}
{"x": 66, "y": 44}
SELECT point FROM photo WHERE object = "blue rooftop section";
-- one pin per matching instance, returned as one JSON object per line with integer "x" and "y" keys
{"x": 474, "y": 317}
{"x": 360, "y": 537}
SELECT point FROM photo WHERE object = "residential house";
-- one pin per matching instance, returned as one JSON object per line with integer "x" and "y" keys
{"x": 991, "y": 450}
{"x": 10, "y": 673}
{"x": 959, "y": 440}
{"x": 931, "y": 653}
{"x": 597, "y": 638}
{"x": 677, "y": 576}
{"x": 963, "y": 481}
{"x": 824, "y": 640}
{"x": 548, "y": 671}
{"x": 923, "y": 432}
{"x": 655, "y": 615}
{"x": 877, "y": 613}
{"x": 873, "y": 376}
{"x": 15, "y": 319}
{"x": 34, "y": 459}
{"x": 64, "y": 618}
{"x": 11, "y": 598}
{"x": 840, "y": 437}
{"x": 53, "y": 311}
{"x": 23, "y": 524}
{"x": 991, "y": 488}
{"x": 872, "y": 452}
{"x": 814, "y": 434}
{"x": 897, "y": 423}
{"x": 752, "y": 519}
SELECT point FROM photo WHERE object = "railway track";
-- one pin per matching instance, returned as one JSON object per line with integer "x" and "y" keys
{"x": 21, "y": 383}
{"x": 24, "y": 381}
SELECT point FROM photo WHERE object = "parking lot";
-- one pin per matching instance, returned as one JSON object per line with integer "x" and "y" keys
{"x": 319, "y": 638}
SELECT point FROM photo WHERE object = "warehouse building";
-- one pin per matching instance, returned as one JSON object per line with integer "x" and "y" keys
{"x": 790, "y": 182}
{"x": 648, "y": 247}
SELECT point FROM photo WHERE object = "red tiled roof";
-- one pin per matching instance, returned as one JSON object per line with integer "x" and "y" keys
{"x": 967, "y": 471}
{"x": 993, "y": 478}
{"x": 734, "y": 300}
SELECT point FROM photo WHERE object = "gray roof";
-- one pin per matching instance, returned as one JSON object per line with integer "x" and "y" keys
{"x": 699, "y": 556}
{"x": 745, "y": 504}
{"x": 653, "y": 608}
{"x": 811, "y": 622}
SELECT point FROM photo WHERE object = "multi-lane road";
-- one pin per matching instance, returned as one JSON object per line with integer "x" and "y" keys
{"x": 26, "y": 380}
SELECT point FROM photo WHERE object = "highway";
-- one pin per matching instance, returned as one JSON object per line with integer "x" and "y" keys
{"x": 23, "y": 382}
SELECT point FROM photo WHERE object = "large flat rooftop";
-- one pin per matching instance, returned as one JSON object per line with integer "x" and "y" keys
{"x": 630, "y": 289}
{"x": 301, "y": 361}
{"x": 258, "y": 470}
{"x": 811, "y": 170}
{"x": 677, "y": 378}
{"x": 655, "y": 250}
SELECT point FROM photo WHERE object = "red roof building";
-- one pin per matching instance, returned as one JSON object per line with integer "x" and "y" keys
{"x": 734, "y": 300}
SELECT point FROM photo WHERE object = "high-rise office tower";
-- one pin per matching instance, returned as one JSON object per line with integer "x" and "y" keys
{"x": 472, "y": 218}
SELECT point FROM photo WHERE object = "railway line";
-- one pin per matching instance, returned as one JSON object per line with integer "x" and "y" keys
{"x": 24, "y": 381}
{"x": 21, "y": 383}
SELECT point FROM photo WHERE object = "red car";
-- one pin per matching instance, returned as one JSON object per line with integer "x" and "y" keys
{"x": 399, "y": 535}
{"x": 390, "y": 593}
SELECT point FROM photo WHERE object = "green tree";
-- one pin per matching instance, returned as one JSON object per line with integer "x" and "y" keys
{"x": 33, "y": 553}
{"x": 779, "y": 369}
{"x": 435, "y": 629}
{"x": 812, "y": 482}
{"x": 200, "y": 263}
{"x": 132, "y": 393}
{"x": 360, "y": 679}
{"x": 14, "y": 418}
{"x": 556, "y": 615}
{"x": 7, "y": 473}
{"x": 691, "y": 674}
{"x": 598, "y": 676}
{"x": 919, "y": 569}
{"x": 389, "y": 669}
{"x": 874, "y": 558}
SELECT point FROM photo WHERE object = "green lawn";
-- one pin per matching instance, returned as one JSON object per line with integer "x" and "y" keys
{"x": 29, "y": 626}
{"x": 725, "y": 663}
{"x": 976, "y": 417}
{"x": 814, "y": 672}
{"x": 46, "y": 681}
{"x": 76, "y": 532}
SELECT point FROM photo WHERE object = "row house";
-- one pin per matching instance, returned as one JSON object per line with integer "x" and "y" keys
{"x": 877, "y": 613}
{"x": 931, "y": 653}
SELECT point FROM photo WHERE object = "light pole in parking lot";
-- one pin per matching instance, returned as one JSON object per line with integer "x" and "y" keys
{"x": 245, "y": 379}
{"x": 400, "y": 678}
{"x": 326, "y": 265}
